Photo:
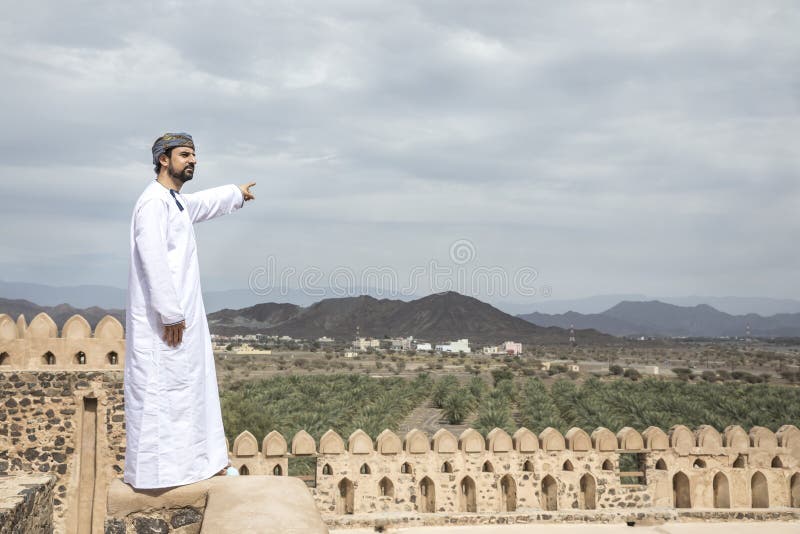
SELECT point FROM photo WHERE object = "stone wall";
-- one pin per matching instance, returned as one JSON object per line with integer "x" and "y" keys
{"x": 551, "y": 472}
{"x": 26, "y": 504}
{"x": 68, "y": 424}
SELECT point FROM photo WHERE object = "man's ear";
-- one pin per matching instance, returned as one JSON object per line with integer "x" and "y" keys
{"x": 163, "y": 159}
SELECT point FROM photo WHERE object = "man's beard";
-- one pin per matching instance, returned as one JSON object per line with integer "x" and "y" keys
{"x": 184, "y": 176}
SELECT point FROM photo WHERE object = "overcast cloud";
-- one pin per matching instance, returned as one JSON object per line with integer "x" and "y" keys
{"x": 615, "y": 147}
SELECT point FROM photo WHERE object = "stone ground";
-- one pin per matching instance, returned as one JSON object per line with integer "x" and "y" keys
{"x": 773, "y": 527}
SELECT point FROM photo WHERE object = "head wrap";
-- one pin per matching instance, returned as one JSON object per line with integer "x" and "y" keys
{"x": 170, "y": 140}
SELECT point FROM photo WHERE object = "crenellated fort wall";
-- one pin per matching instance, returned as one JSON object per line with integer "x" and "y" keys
{"x": 39, "y": 346}
{"x": 62, "y": 414}
{"x": 680, "y": 468}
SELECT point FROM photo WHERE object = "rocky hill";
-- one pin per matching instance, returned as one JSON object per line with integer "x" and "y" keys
{"x": 656, "y": 318}
{"x": 438, "y": 317}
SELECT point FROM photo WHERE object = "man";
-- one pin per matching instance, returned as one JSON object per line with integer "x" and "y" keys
{"x": 172, "y": 411}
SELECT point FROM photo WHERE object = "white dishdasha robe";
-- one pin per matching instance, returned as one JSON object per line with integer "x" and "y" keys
{"x": 172, "y": 412}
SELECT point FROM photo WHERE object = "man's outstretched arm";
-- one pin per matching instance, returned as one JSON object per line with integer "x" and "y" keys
{"x": 210, "y": 203}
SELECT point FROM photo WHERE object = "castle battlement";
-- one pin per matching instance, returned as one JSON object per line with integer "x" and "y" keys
{"x": 38, "y": 345}
{"x": 62, "y": 415}
{"x": 679, "y": 468}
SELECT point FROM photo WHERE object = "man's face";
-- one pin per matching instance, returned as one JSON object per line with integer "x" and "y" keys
{"x": 181, "y": 163}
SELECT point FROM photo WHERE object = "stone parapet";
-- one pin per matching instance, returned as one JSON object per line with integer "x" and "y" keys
{"x": 498, "y": 473}
{"x": 39, "y": 345}
{"x": 70, "y": 425}
{"x": 220, "y": 505}
{"x": 26, "y": 504}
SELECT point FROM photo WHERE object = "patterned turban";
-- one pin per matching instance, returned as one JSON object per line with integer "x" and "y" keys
{"x": 170, "y": 140}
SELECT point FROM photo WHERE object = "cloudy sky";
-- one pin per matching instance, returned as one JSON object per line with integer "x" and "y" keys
{"x": 611, "y": 147}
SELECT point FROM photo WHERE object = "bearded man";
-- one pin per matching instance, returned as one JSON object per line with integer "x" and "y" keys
{"x": 172, "y": 410}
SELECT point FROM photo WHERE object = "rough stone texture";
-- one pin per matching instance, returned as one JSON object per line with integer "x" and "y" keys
{"x": 185, "y": 516}
{"x": 40, "y": 424}
{"x": 255, "y": 504}
{"x": 26, "y": 504}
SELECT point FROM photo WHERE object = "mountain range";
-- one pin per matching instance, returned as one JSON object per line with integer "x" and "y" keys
{"x": 450, "y": 315}
{"x": 436, "y": 318}
{"x": 660, "y": 319}
{"x": 110, "y": 297}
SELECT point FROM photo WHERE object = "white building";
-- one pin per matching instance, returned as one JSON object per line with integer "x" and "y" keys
{"x": 462, "y": 345}
{"x": 362, "y": 344}
{"x": 512, "y": 347}
{"x": 424, "y": 346}
{"x": 402, "y": 343}
{"x": 325, "y": 339}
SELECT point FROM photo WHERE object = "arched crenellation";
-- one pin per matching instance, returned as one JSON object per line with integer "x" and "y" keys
{"x": 331, "y": 443}
{"x": 41, "y": 327}
{"x": 471, "y": 442}
{"x": 303, "y": 444}
{"x": 578, "y": 440}
{"x": 603, "y": 440}
{"x": 388, "y": 442}
{"x": 551, "y": 440}
{"x": 525, "y": 441}
{"x": 8, "y": 328}
{"x": 274, "y": 444}
{"x": 359, "y": 443}
{"x": 629, "y": 439}
{"x": 499, "y": 478}
{"x": 245, "y": 445}
{"x": 416, "y": 442}
{"x": 498, "y": 441}
{"x": 444, "y": 442}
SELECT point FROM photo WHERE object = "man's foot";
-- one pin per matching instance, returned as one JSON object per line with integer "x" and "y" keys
{"x": 224, "y": 471}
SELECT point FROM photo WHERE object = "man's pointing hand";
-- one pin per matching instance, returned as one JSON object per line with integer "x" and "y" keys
{"x": 245, "y": 189}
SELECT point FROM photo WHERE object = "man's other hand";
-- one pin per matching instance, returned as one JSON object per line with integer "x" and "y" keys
{"x": 173, "y": 333}
{"x": 245, "y": 189}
